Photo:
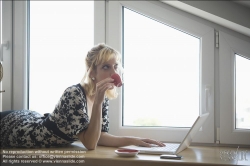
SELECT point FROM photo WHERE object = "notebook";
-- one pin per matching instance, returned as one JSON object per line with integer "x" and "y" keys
{"x": 173, "y": 148}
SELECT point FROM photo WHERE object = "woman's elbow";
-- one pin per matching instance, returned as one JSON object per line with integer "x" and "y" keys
{"x": 88, "y": 143}
{"x": 90, "y": 146}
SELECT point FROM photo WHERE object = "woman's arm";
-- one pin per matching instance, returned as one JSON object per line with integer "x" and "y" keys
{"x": 107, "y": 139}
{"x": 91, "y": 135}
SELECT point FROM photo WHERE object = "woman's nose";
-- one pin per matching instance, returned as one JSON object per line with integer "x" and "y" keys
{"x": 113, "y": 71}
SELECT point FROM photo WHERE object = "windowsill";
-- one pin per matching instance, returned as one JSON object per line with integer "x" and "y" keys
{"x": 195, "y": 155}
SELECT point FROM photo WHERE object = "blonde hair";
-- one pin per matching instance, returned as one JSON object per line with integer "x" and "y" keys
{"x": 99, "y": 54}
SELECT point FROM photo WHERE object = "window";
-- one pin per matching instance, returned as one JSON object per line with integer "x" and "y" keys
{"x": 143, "y": 38}
{"x": 161, "y": 73}
{"x": 59, "y": 41}
{"x": 64, "y": 20}
{"x": 234, "y": 90}
{"x": 242, "y": 91}
{"x": 222, "y": 81}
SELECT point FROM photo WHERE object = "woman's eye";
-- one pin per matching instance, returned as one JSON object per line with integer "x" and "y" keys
{"x": 116, "y": 67}
{"x": 105, "y": 67}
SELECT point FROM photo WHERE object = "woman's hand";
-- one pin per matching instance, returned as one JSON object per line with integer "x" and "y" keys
{"x": 101, "y": 88}
{"x": 107, "y": 139}
{"x": 145, "y": 142}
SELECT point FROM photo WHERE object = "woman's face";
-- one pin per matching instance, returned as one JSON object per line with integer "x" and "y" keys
{"x": 105, "y": 70}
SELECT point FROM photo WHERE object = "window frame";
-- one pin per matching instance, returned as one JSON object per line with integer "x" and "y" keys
{"x": 20, "y": 63}
{"x": 158, "y": 11}
{"x": 229, "y": 46}
{"x": 6, "y": 36}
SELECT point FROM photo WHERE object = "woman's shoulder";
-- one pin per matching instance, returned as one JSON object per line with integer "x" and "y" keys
{"x": 73, "y": 94}
{"x": 73, "y": 88}
{"x": 76, "y": 89}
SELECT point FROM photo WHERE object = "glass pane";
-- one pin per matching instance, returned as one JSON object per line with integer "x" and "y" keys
{"x": 242, "y": 82}
{"x": 161, "y": 74}
{"x": 61, "y": 33}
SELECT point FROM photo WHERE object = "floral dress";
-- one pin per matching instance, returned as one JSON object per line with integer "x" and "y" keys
{"x": 25, "y": 128}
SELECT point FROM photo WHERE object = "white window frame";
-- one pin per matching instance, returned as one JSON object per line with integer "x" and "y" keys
{"x": 163, "y": 13}
{"x": 229, "y": 46}
{"x": 20, "y": 80}
{"x": 6, "y": 57}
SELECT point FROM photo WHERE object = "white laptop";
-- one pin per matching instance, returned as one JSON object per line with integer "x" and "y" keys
{"x": 173, "y": 148}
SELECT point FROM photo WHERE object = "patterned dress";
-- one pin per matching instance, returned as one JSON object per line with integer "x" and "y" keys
{"x": 25, "y": 128}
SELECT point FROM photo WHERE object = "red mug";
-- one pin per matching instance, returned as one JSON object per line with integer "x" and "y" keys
{"x": 117, "y": 80}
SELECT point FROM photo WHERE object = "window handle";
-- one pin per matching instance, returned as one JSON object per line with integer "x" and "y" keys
{"x": 6, "y": 46}
{"x": 1, "y": 91}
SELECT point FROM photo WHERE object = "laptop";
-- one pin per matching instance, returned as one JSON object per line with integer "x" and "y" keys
{"x": 173, "y": 148}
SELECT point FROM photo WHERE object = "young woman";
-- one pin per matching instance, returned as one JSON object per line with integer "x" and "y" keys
{"x": 81, "y": 113}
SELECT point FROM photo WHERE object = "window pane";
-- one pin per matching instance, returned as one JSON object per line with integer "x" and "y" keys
{"x": 161, "y": 74}
{"x": 61, "y": 33}
{"x": 242, "y": 92}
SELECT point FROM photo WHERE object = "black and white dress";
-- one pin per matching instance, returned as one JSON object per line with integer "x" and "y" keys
{"x": 25, "y": 128}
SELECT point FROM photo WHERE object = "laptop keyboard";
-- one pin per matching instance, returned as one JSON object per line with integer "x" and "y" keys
{"x": 168, "y": 147}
